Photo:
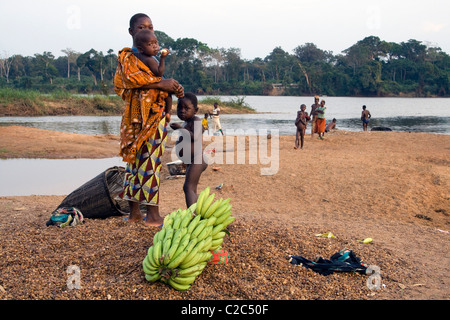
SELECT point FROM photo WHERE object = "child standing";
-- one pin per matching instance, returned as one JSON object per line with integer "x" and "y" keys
{"x": 300, "y": 123}
{"x": 205, "y": 123}
{"x": 365, "y": 117}
{"x": 195, "y": 164}
{"x": 148, "y": 47}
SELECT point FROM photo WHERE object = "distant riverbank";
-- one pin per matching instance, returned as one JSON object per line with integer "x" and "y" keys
{"x": 15, "y": 103}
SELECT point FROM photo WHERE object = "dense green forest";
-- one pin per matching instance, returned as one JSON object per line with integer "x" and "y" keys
{"x": 370, "y": 67}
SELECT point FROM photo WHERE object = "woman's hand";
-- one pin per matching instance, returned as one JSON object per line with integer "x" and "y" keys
{"x": 168, "y": 85}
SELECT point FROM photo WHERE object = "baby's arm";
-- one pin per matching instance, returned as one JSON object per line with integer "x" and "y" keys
{"x": 154, "y": 67}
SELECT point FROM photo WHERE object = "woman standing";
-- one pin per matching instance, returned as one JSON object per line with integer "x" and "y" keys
{"x": 143, "y": 130}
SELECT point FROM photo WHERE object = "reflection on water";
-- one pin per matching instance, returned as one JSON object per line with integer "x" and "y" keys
{"x": 24, "y": 177}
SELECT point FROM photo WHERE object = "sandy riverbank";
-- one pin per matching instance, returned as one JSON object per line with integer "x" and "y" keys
{"x": 390, "y": 186}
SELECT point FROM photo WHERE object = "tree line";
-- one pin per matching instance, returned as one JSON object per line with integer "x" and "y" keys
{"x": 370, "y": 67}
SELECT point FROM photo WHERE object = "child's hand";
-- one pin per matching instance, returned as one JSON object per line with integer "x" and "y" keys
{"x": 164, "y": 53}
{"x": 167, "y": 117}
{"x": 175, "y": 126}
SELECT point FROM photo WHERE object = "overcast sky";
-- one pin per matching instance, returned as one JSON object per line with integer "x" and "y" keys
{"x": 254, "y": 26}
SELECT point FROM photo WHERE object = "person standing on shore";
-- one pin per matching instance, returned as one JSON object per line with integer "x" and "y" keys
{"x": 313, "y": 115}
{"x": 300, "y": 123}
{"x": 143, "y": 129}
{"x": 215, "y": 117}
{"x": 365, "y": 117}
{"x": 320, "y": 122}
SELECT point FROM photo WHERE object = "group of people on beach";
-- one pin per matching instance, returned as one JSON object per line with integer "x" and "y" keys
{"x": 318, "y": 122}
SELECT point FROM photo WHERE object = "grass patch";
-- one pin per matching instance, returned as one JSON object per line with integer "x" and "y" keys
{"x": 16, "y": 102}
{"x": 235, "y": 103}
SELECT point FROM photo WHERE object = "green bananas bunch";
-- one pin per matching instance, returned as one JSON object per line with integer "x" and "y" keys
{"x": 182, "y": 247}
{"x": 180, "y": 250}
{"x": 217, "y": 213}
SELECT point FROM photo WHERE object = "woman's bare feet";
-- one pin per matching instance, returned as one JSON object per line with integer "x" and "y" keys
{"x": 153, "y": 219}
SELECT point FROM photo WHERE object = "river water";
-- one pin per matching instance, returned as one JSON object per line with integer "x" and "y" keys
{"x": 278, "y": 113}
{"x": 275, "y": 114}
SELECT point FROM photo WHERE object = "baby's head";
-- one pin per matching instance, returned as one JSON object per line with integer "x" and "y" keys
{"x": 303, "y": 107}
{"x": 146, "y": 42}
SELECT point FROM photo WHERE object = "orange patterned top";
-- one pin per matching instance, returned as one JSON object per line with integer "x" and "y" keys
{"x": 144, "y": 107}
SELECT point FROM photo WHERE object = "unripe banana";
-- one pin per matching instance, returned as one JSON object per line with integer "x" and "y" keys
{"x": 201, "y": 225}
{"x": 212, "y": 208}
{"x": 219, "y": 211}
{"x": 215, "y": 247}
{"x": 219, "y": 235}
{"x": 201, "y": 199}
{"x": 147, "y": 267}
{"x": 177, "y": 220}
{"x": 184, "y": 280}
{"x": 208, "y": 243}
{"x": 207, "y": 204}
{"x": 186, "y": 219}
{"x": 192, "y": 244}
{"x": 188, "y": 271}
{"x": 223, "y": 217}
{"x": 153, "y": 278}
{"x": 169, "y": 234}
{"x": 228, "y": 221}
{"x": 193, "y": 207}
{"x": 157, "y": 252}
{"x": 217, "y": 228}
{"x": 206, "y": 256}
{"x": 159, "y": 235}
{"x": 193, "y": 224}
{"x": 193, "y": 253}
{"x": 217, "y": 242}
{"x": 177, "y": 286}
{"x": 205, "y": 233}
{"x": 168, "y": 221}
{"x": 191, "y": 262}
{"x": 150, "y": 257}
{"x": 211, "y": 221}
{"x": 183, "y": 244}
{"x": 178, "y": 259}
{"x": 226, "y": 201}
{"x": 169, "y": 254}
{"x": 167, "y": 241}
